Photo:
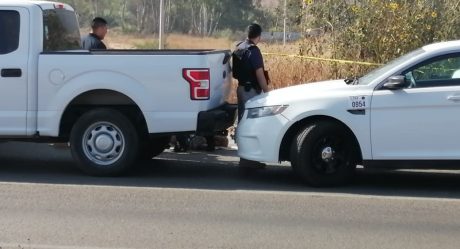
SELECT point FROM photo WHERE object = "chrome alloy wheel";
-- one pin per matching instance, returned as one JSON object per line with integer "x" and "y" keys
{"x": 103, "y": 143}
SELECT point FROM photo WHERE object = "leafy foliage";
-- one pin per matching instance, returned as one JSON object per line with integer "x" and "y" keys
{"x": 381, "y": 30}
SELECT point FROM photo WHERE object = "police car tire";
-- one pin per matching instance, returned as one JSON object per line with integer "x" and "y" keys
{"x": 153, "y": 147}
{"x": 118, "y": 126}
{"x": 307, "y": 160}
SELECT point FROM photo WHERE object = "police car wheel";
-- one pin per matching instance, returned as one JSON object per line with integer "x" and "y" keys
{"x": 104, "y": 142}
{"x": 324, "y": 154}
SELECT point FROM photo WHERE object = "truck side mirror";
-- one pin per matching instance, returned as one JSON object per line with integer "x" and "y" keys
{"x": 395, "y": 83}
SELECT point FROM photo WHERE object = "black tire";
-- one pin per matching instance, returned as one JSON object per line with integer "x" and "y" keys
{"x": 318, "y": 166}
{"x": 104, "y": 142}
{"x": 153, "y": 147}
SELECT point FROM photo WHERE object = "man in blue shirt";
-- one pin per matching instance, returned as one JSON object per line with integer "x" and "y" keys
{"x": 248, "y": 69}
{"x": 94, "y": 39}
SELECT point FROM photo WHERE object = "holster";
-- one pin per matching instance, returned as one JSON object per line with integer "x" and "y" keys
{"x": 249, "y": 85}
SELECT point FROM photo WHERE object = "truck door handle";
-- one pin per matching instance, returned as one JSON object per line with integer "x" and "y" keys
{"x": 455, "y": 98}
{"x": 11, "y": 73}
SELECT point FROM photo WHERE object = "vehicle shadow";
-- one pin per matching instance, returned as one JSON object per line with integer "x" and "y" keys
{"x": 41, "y": 163}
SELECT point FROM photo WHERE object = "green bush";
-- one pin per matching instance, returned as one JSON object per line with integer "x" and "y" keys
{"x": 378, "y": 31}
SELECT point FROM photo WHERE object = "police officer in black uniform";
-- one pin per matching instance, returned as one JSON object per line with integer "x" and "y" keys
{"x": 94, "y": 39}
{"x": 248, "y": 69}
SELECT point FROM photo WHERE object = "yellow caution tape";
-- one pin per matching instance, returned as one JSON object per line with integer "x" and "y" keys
{"x": 324, "y": 59}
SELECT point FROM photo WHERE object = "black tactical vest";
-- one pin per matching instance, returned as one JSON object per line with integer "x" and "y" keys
{"x": 242, "y": 68}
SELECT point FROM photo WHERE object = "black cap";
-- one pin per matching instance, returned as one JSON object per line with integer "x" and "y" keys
{"x": 254, "y": 31}
{"x": 98, "y": 22}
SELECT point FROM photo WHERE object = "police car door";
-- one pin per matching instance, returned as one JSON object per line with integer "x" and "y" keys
{"x": 421, "y": 121}
{"x": 14, "y": 54}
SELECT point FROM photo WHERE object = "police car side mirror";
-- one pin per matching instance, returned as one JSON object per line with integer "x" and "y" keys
{"x": 395, "y": 83}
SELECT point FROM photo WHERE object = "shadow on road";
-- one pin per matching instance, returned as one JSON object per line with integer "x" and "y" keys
{"x": 41, "y": 163}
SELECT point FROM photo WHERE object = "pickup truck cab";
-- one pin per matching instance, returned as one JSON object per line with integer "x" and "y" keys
{"x": 405, "y": 114}
{"x": 113, "y": 106}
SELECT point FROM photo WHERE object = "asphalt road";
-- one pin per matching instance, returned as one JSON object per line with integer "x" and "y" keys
{"x": 200, "y": 200}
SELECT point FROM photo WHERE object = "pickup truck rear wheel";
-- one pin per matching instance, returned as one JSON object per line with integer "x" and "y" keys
{"x": 324, "y": 154}
{"x": 104, "y": 142}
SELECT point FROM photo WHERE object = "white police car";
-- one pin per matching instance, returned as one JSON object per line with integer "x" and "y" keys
{"x": 405, "y": 114}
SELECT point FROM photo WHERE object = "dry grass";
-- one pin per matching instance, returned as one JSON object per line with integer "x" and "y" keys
{"x": 118, "y": 40}
{"x": 192, "y": 42}
{"x": 289, "y": 71}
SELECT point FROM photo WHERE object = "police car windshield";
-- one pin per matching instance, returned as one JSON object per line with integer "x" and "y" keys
{"x": 374, "y": 74}
{"x": 61, "y": 31}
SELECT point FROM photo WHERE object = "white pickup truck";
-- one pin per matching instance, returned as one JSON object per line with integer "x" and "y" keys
{"x": 114, "y": 107}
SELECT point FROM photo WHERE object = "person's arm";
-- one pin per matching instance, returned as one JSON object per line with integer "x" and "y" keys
{"x": 261, "y": 79}
{"x": 257, "y": 61}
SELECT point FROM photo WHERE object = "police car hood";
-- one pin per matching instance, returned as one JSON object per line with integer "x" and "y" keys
{"x": 285, "y": 96}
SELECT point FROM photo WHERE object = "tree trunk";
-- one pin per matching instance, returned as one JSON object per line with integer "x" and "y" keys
{"x": 123, "y": 14}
